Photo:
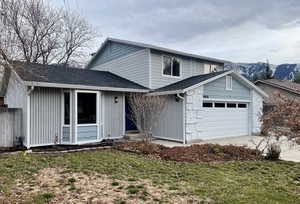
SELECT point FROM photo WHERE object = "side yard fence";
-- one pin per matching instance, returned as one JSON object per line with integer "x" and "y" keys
{"x": 10, "y": 127}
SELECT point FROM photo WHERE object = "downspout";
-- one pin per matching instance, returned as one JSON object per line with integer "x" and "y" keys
{"x": 183, "y": 114}
{"x": 31, "y": 88}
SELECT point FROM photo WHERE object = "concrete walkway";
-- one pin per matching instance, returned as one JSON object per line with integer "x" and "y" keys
{"x": 289, "y": 152}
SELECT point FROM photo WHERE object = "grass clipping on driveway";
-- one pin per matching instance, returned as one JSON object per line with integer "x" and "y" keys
{"x": 110, "y": 176}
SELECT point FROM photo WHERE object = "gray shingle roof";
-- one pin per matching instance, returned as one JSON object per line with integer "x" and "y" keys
{"x": 183, "y": 84}
{"x": 72, "y": 76}
{"x": 283, "y": 84}
{"x": 154, "y": 47}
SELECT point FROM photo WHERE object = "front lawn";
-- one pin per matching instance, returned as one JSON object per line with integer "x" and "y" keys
{"x": 116, "y": 177}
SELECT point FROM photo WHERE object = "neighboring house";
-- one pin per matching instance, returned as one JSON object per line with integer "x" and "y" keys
{"x": 273, "y": 86}
{"x": 76, "y": 106}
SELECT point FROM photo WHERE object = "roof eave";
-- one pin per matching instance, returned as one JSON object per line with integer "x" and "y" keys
{"x": 278, "y": 86}
{"x": 76, "y": 86}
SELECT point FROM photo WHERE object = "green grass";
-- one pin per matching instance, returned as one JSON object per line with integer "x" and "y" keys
{"x": 229, "y": 182}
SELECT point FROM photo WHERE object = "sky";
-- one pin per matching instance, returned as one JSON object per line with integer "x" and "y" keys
{"x": 236, "y": 30}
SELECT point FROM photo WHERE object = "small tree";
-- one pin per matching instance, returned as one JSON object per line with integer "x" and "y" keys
{"x": 145, "y": 112}
{"x": 268, "y": 71}
{"x": 284, "y": 119}
{"x": 297, "y": 78}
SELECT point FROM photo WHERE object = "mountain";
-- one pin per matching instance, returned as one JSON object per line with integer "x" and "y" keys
{"x": 281, "y": 72}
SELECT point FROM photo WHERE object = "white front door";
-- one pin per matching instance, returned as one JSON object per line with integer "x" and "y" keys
{"x": 224, "y": 119}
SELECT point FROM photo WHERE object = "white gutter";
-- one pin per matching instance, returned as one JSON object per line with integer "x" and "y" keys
{"x": 74, "y": 86}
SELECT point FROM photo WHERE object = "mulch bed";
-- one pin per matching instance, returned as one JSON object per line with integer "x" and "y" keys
{"x": 193, "y": 153}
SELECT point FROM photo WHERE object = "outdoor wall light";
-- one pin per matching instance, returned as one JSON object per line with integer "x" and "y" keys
{"x": 116, "y": 99}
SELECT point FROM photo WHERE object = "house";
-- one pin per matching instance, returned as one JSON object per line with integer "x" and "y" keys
{"x": 77, "y": 106}
{"x": 273, "y": 86}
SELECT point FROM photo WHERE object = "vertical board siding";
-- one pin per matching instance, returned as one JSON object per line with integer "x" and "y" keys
{"x": 134, "y": 67}
{"x": 10, "y": 127}
{"x": 170, "y": 123}
{"x": 45, "y": 116}
{"x": 217, "y": 90}
{"x": 16, "y": 97}
{"x": 113, "y": 114}
{"x": 87, "y": 133}
{"x": 113, "y": 51}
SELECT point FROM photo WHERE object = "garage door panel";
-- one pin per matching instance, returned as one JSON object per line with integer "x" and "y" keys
{"x": 223, "y": 122}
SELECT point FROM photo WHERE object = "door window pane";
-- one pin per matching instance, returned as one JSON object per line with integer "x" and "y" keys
{"x": 67, "y": 108}
{"x": 87, "y": 108}
{"x": 207, "y": 105}
{"x": 231, "y": 105}
{"x": 219, "y": 105}
{"x": 242, "y": 105}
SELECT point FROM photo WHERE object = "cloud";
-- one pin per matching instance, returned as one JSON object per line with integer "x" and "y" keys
{"x": 221, "y": 26}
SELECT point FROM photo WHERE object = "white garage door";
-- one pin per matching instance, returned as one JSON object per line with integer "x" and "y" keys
{"x": 224, "y": 119}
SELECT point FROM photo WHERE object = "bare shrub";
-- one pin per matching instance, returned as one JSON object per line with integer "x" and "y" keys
{"x": 284, "y": 119}
{"x": 145, "y": 111}
{"x": 273, "y": 152}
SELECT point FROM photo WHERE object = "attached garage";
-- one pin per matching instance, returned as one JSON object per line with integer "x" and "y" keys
{"x": 224, "y": 119}
{"x": 215, "y": 105}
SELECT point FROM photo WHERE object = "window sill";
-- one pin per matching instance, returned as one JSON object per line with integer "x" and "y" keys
{"x": 169, "y": 76}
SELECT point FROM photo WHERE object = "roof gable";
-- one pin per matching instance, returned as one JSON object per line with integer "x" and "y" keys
{"x": 109, "y": 51}
{"x": 153, "y": 47}
{"x": 199, "y": 80}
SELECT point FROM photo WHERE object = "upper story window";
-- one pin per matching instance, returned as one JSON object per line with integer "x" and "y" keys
{"x": 209, "y": 68}
{"x": 228, "y": 82}
{"x": 171, "y": 66}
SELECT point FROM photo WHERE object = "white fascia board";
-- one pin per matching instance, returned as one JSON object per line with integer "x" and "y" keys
{"x": 165, "y": 93}
{"x": 73, "y": 86}
{"x": 226, "y": 100}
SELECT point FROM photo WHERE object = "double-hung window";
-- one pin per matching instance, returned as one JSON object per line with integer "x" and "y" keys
{"x": 171, "y": 66}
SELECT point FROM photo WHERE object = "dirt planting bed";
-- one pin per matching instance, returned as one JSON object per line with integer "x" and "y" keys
{"x": 193, "y": 153}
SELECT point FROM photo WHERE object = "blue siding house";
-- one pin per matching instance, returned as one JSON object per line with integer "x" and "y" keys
{"x": 77, "y": 106}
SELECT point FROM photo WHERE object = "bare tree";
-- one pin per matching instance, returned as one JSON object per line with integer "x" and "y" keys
{"x": 145, "y": 112}
{"x": 33, "y": 31}
{"x": 280, "y": 124}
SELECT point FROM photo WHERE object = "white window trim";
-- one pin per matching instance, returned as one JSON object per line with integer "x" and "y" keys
{"x": 171, "y": 76}
{"x": 98, "y": 115}
{"x": 63, "y": 116}
{"x": 228, "y": 83}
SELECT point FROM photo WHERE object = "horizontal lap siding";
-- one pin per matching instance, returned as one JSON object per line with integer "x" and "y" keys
{"x": 114, "y": 51}
{"x": 188, "y": 69}
{"x": 66, "y": 134}
{"x": 134, "y": 67}
{"x": 170, "y": 123}
{"x": 45, "y": 116}
{"x": 87, "y": 133}
{"x": 217, "y": 90}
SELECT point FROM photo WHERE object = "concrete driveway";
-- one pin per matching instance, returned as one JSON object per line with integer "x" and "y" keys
{"x": 289, "y": 152}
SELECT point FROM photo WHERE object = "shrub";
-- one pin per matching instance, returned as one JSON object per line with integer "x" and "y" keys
{"x": 273, "y": 152}
{"x": 210, "y": 152}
